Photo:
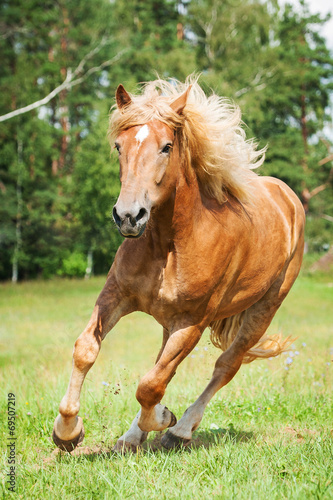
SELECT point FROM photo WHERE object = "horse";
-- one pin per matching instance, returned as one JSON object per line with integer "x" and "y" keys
{"x": 208, "y": 243}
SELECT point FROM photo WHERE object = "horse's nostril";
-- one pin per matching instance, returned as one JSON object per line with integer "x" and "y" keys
{"x": 141, "y": 214}
{"x": 128, "y": 218}
{"x": 116, "y": 216}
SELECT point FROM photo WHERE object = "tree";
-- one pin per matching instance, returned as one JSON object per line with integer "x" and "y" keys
{"x": 232, "y": 42}
{"x": 95, "y": 186}
{"x": 61, "y": 64}
{"x": 298, "y": 103}
{"x": 40, "y": 42}
{"x": 150, "y": 29}
{"x": 60, "y": 61}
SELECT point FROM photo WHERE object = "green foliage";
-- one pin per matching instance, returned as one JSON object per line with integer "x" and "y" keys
{"x": 41, "y": 43}
{"x": 319, "y": 234}
{"x": 74, "y": 265}
{"x": 298, "y": 100}
{"x": 95, "y": 186}
{"x": 232, "y": 41}
{"x": 149, "y": 29}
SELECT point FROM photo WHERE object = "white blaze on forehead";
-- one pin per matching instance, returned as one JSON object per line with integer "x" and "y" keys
{"x": 142, "y": 134}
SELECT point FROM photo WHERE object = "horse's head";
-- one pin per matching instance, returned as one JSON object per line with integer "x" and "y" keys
{"x": 147, "y": 168}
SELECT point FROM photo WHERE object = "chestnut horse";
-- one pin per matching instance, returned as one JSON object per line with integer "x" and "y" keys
{"x": 208, "y": 244}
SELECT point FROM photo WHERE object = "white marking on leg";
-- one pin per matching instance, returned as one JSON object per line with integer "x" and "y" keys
{"x": 190, "y": 420}
{"x": 134, "y": 436}
{"x": 142, "y": 134}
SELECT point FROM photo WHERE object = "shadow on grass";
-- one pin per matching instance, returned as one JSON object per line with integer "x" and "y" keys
{"x": 201, "y": 439}
{"x": 212, "y": 437}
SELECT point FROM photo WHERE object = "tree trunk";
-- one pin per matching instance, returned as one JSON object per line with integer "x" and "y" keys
{"x": 64, "y": 118}
{"x": 90, "y": 264}
{"x": 18, "y": 230}
{"x": 304, "y": 121}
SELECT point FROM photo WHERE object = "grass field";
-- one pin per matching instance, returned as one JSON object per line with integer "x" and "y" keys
{"x": 267, "y": 435}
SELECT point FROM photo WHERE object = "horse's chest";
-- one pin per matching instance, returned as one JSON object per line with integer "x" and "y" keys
{"x": 168, "y": 287}
{"x": 168, "y": 291}
{"x": 159, "y": 288}
{"x": 180, "y": 291}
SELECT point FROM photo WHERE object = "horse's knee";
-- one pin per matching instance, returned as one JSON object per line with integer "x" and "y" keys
{"x": 69, "y": 409}
{"x": 85, "y": 352}
{"x": 150, "y": 391}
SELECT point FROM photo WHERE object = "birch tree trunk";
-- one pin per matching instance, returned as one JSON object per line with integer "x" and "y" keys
{"x": 18, "y": 229}
{"x": 90, "y": 264}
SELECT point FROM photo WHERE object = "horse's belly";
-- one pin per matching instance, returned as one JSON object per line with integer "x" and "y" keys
{"x": 222, "y": 287}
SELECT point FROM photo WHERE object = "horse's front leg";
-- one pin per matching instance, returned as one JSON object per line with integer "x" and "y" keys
{"x": 68, "y": 429}
{"x": 155, "y": 416}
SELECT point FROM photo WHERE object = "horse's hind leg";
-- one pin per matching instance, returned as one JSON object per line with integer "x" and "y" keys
{"x": 68, "y": 429}
{"x": 133, "y": 438}
{"x": 256, "y": 321}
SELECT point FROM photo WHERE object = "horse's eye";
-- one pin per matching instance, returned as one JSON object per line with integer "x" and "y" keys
{"x": 167, "y": 148}
{"x": 116, "y": 145}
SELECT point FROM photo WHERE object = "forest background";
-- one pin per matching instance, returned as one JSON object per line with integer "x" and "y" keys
{"x": 65, "y": 58}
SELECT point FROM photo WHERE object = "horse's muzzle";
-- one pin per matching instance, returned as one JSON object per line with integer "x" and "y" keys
{"x": 130, "y": 225}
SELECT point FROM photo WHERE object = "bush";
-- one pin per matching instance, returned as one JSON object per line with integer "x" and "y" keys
{"x": 74, "y": 265}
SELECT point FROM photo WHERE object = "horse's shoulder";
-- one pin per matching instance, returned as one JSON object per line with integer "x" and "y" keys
{"x": 275, "y": 186}
{"x": 281, "y": 194}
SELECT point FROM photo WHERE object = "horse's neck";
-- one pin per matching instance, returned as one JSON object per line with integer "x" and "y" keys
{"x": 176, "y": 220}
{"x": 188, "y": 206}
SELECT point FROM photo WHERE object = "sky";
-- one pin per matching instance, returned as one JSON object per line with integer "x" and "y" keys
{"x": 323, "y": 7}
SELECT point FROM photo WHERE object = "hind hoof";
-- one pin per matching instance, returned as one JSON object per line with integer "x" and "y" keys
{"x": 172, "y": 442}
{"x": 68, "y": 445}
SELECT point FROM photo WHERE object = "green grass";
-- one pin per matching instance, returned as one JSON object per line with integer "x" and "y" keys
{"x": 267, "y": 435}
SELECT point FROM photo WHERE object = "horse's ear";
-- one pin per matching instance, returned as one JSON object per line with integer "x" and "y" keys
{"x": 122, "y": 97}
{"x": 179, "y": 104}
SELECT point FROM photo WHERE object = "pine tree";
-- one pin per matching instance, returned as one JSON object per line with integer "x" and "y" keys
{"x": 40, "y": 43}
{"x": 297, "y": 104}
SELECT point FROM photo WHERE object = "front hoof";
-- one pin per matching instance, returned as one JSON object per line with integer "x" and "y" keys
{"x": 68, "y": 445}
{"x": 173, "y": 419}
{"x": 171, "y": 442}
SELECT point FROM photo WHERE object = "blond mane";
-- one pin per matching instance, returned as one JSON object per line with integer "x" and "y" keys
{"x": 209, "y": 132}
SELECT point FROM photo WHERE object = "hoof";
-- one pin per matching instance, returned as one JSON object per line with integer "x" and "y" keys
{"x": 170, "y": 441}
{"x": 173, "y": 419}
{"x": 68, "y": 445}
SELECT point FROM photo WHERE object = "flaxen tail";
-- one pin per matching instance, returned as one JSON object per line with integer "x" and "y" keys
{"x": 223, "y": 332}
